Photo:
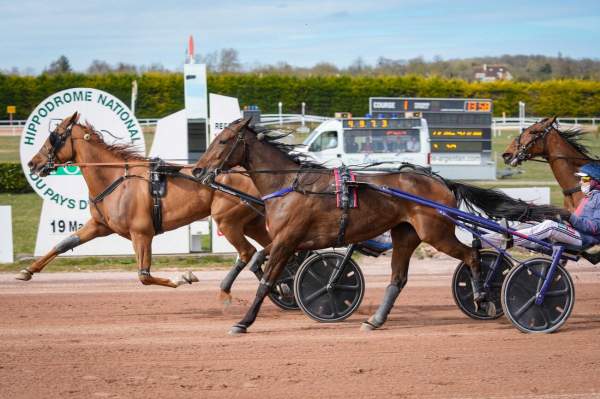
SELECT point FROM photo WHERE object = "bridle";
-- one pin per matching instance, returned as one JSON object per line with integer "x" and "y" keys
{"x": 57, "y": 141}
{"x": 239, "y": 138}
{"x": 523, "y": 149}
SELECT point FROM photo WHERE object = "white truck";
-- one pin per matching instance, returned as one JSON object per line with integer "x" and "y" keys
{"x": 362, "y": 141}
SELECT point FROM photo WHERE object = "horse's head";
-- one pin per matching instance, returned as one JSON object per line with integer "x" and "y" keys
{"x": 530, "y": 143}
{"x": 58, "y": 147}
{"x": 227, "y": 150}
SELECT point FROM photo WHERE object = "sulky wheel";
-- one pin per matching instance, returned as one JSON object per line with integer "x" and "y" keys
{"x": 519, "y": 293}
{"x": 462, "y": 290}
{"x": 282, "y": 293}
{"x": 323, "y": 302}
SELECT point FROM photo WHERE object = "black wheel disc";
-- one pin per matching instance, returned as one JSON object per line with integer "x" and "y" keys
{"x": 462, "y": 288}
{"x": 323, "y": 303}
{"x": 282, "y": 293}
{"x": 519, "y": 293}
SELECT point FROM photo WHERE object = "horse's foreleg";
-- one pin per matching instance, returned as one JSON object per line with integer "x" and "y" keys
{"x": 235, "y": 235}
{"x": 88, "y": 232}
{"x": 405, "y": 240}
{"x": 142, "y": 245}
{"x": 279, "y": 254}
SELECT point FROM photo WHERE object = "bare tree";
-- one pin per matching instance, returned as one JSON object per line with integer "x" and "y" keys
{"x": 98, "y": 67}
{"x": 61, "y": 65}
{"x": 325, "y": 68}
{"x": 125, "y": 68}
{"x": 210, "y": 59}
{"x": 229, "y": 60}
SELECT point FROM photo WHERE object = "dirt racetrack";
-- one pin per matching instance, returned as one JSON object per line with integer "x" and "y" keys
{"x": 95, "y": 335}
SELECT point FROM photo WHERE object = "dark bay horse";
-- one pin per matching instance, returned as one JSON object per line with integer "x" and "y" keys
{"x": 562, "y": 150}
{"x": 127, "y": 211}
{"x": 305, "y": 216}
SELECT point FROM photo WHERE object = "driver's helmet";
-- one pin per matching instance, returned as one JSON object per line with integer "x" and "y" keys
{"x": 591, "y": 169}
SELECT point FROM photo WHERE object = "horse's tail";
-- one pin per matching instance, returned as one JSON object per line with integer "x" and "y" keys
{"x": 498, "y": 205}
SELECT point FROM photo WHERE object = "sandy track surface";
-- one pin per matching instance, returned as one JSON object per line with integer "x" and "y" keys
{"x": 95, "y": 335}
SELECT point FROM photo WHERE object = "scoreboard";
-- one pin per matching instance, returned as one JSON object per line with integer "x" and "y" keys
{"x": 460, "y": 131}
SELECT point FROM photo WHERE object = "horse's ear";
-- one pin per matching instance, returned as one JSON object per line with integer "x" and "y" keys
{"x": 246, "y": 122}
{"x": 74, "y": 118}
{"x": 552, "y": 120}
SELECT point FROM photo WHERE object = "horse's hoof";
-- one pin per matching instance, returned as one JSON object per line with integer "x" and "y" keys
{"x": 24, "y": 275}
{"x": 285, "y": 290}
{"x": 225, "y": 297}
{"x": 366, "y": 326}
{"x": 237, "y": 330}
{"x": 490, "y": 309}
{"x": 190, "y": 277}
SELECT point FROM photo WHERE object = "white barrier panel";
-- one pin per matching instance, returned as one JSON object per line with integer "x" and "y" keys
{"x": 56, "y": 225}
{"x": 6, "y": 238}
{"x": 536, "y": 195}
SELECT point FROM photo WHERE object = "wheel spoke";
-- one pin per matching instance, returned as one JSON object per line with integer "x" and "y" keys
{"x": 545, "y": 315}
{"x": 308, "y": 300}
{"x": 468, "y": 295}
{"x": 525, "y": 307}
{"x": 285, "y": 279}
{"x": 316, "y": 277}
{"x": 333, "y": 305}
{"x": 346, "y": 287}
{"x": 558, "y": 292}
{"x": 521, "y": 286}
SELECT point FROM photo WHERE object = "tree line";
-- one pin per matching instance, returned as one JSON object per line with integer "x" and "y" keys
{"x": 161, "y": 93}
{"x": 523, "y": 68}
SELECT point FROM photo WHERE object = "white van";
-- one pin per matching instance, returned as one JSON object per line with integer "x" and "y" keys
{"x": 362, "y": 141}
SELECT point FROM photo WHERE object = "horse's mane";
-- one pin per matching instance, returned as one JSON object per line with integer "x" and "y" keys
{"x": 128, "y": 151}
{"x": 574, "y": 136}
{"x": 270, "y": 137}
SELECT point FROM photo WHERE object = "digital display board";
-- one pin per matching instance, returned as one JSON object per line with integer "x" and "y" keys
{"x": 457, "y": 146}
{"x": 455, "y": 124}
{"x": 429, "y": 105}
{"x": 372, "y": 123}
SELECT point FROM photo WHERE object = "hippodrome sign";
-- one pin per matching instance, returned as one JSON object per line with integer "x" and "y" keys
{"x": 106, "y": 113}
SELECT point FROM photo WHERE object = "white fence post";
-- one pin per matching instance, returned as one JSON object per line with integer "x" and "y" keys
{"x": 6, "y": 242}
{"x": 280, "y": 113}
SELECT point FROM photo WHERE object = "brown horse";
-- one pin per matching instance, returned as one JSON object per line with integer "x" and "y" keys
{"x": 127, "y": 211}
{"x": 562, "y": 150}
{"x": 305, "y": 216}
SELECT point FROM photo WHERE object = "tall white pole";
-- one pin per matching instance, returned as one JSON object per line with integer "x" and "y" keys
{"x": 521, "y": 116}
{"x": 280, "y": 113}
{"x": 303, "y": 112}
{"x": 134, "y": 92}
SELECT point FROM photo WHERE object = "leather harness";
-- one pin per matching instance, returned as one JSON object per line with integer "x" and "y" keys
{"x": 159, "y": 171}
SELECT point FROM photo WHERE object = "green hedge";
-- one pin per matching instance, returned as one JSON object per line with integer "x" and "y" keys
{"x": 162, "y": 93}
{"x": 12, "y": 179}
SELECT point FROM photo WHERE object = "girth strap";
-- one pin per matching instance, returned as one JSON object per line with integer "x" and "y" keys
{"x": 571, "y": 191}
{"x": 108, "y": 190}
{"x": 344, "y": 204}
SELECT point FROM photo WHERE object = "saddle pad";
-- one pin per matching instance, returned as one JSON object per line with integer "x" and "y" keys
{"x": 339, "y": 183}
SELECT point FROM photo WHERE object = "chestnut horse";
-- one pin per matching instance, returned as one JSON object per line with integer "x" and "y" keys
{"x": 127, "y": 211}
{"x": 562, "y": 150}
{"x": 301, "y": 210}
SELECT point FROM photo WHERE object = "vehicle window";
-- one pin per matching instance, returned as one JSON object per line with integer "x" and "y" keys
{"x": 381, "y": 141}
{"x": 325, "y": 141}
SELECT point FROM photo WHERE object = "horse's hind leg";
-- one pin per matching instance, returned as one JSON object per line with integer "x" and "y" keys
{"x": 89, "y": 231}
{"x": 405, "y": 240}
{"x": 142, "y": 245}
{"x": 444, "y": 240}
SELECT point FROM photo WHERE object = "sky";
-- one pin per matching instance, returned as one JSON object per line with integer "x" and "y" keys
{"x": 301, "y": 33}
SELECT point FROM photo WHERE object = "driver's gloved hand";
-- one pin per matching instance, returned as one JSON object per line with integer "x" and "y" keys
{"x": 564, "y": 215}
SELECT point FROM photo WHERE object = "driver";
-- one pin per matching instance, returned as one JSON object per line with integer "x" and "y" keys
{"x": 583, "y": 229}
